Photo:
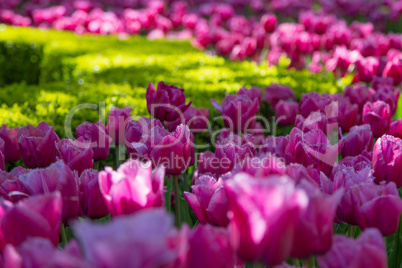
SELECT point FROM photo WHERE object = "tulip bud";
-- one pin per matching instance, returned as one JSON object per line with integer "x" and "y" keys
{"x": 286, "y": 112}
{"x": 195, "y": 119}
{"x": 275, "y": 93}
{"x": 76, "y": 154}
{"x": 117, "y": 122}
{"x": 378, "y": 116}
{"x": 95, "y": 134}
{"x": 359, "y": 139}
{"x": 37, "y": 145}
{"x": 393, "y": 69}
{"x": 11, "y": 149}
{"x": 92, "y": 204}
{"x": 269, "y": 21}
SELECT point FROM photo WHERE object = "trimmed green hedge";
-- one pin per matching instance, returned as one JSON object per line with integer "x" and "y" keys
{"x": 51, "y": 72}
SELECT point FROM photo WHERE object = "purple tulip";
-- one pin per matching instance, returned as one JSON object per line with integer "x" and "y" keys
{"x": 166, "y": 103}
{"x": 145, "y": 239}
{"x": 57, "y": 177}
{"x": 312, "y": 148}
{"x": 387, "y": 159}
{"x": 359, "y": 139}
{"x": 38, "y": 216}
{"x": 239, "y": 111}
{"x": 378, "y": 116}
{"x": 347, "y": 115}
{"x": 208, "y": 201}
{"x": 40, "y": 252}
{"x": 275, "y": 145}
{"x": 316, "y": 120}
{"x": 92, "y": 204}
{"x": 252, "y": 93}
{"x": 37, "y": 145}
{"x": 77, "y": 154}
{"x": 300, "y": 173}
{"x": 395, "y": 128}
{"x": 368, "y": 250}
{"x": 117, "y": 123}
{"x": 275, "y": 93}
{"x": 286, "y": 112}
{"x": 367, "y": 68}
{"x": 313, "y": 234}
{"x": 389, "y": 95}
{"x": 11, "y": 148}
{"x": 133, "y": 187}
{"x": 175, "y": 151}
{"x": 209, "y": 247}
{"x": 95, "y": 134}
{"x": 195, "y": 119}
{"x": 359, "y": 94}
{"x": 268, "y": 21}
{"x": 258, "y": 229}
{"x": 311, "y": 102}
{"x": 11, "y": 187}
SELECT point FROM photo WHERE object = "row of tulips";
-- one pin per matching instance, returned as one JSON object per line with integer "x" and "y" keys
{"x": 322, "y": 40}
{"x": 257, "y": 199}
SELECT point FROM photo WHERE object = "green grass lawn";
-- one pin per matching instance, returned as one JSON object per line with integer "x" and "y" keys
{"x": 45, "y": 73}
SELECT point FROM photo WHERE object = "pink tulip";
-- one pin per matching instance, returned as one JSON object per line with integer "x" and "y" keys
{"x": 393, "y": 69}
{"x": 269, "y": 21}
{"x": 117, "y": 123}
{"x": 261, "y": 166}
{"x": 286, "y": 112}
{"x": 133, "y": 187}
{"x": 37, "y": 145}
{"x": 208, "y": 201}
{"x": 11, "y": 187}
{"x": 359, "y": 94}
{"x": 359, "y": 139}
{"x": 252, "y": 93}
{"x": 92, "y": 204}
{"x": 378, "y": 116}
{"x": 275, "y": 145}
{"x": 258, "y": 229}
{"x": 167, "y": 102}
{"x": 11, "y": 149}
{"x": 395, "y": 128}
{"x": 2, "y": 162}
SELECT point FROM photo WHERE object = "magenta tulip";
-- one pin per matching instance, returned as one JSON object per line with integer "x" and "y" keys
{"x": 11, "y": 187}
{"x": 252, "y": 92}
{"x": 389, "y": 95}
{"x": 268, "y": 21}
{"x": 166, "y": 103}
{"x": 133, "y": 187}
{"x": 38, "y": 216}
{"x": 286, "y": 112}
{"x": 393, "y": 69}
{"x": 11, "y": 148}
{"x": 359, "y": 139}
{"x": 117, "y": 122}
{"x": 275, "y": 145}
{"x": 359, "y": 94}
{"x": 395, "y": 128}
{"x": 37, "y": 145}
{"x": 145, "y": 239}
{"x": 208, "y": 201}
{"x": 77, "y": 154}
{"x": 239, "y": 111}
{"x": 263, "y": 230}
{"x": 92, "y": 204}
{"x": 367, "y": 68}
{"x": 368, "y": 250}
{"x": 57, "y": 177}
{"x": 2, "y": 158}
{"x": 275, "y": 93}
{"x": 378, "y": 116}
{"x": 316, "y": 120}
{"x": 95, "y": 134}
{"x": 300, "y": 173}
{"x": 261, "y": 166}
{"x": 387, "y": 159}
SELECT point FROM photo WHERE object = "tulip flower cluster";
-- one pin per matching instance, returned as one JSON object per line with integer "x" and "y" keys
{"x": 257, "y": 199}
{"x": 315, "y": 37}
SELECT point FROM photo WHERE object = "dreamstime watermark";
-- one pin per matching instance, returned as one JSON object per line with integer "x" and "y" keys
{"x": 149, "y": 134}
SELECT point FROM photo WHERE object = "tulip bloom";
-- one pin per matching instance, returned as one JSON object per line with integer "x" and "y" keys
{"x": 149, "y": 235}
{"x": 2, "y": 162}
{"x": 257, "y": 229}
{"x": 166, "y": 103}
{"x": 275, "y": 145}
{"x": 286, "y": 112}
{"x": 378, "y": 116}
{"x": 195, "y": 119}
{"x": 133, "y": 187}
{"x": 300, "y": 173}
{"x": 368, "y": 250}
{"x": 57, "y": 177}
{"x": 11, "y": 148}
{"x": 37, "y": 145}
{"x": 359, "y": 139}
{"x": 393, "y": 69}
{"x": 387, "y": 160}
{"x": 208, "y": 201}
{"x": 11, "y": 187}
{"x": 261, "y": 166}
{"x": 117, "y": 122}
{"x": 395, "y": 128}
{"x": 359, "y": 94}
{"x": 275, "y": 93}
{"x": 95, "y": 134}
{"x": 92, "y": 204}
{"x": 268, "y": 21}
{"x": 209, "y": 247}
{"x": 76, "y": 154}
{"x": 239, "y": 111}
{"x": 252, "y": 93}
{"x": 38, "y": 216}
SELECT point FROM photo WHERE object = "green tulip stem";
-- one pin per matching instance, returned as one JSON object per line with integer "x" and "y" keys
{"x": 177, "y": 199}
{"x": 310, "y": 262}
{"x": 351, "y": 231}
{"x": 63, "y": 234}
